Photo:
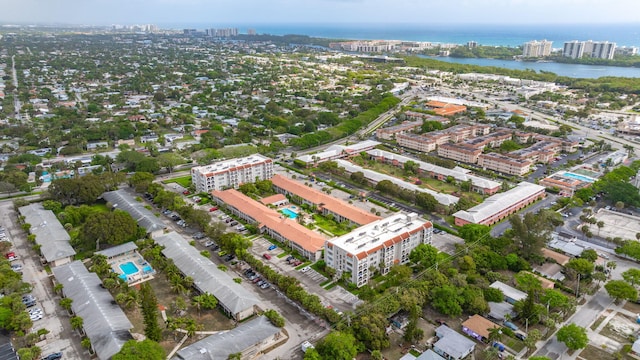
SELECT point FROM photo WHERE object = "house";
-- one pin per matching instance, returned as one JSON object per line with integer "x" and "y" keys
{"x": 478, "y": 327}
{"x": 511, "y": 294}
{"x": 233, "y": 298}
{"x": 546, "y": 283}
{"x": 53, "y": 239}
{"x": 250, "y": 339}
{"x": 635, "y": 349}
{"x": 451, "y": 345}
{"x": 120, "y": 199}
{"x": 500, "y": 310}
{"x": 105, "y": 324}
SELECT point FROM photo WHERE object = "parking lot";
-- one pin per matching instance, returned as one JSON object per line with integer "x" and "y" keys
{"x": 445, "y": 242}
{"x": 61, "y": 337}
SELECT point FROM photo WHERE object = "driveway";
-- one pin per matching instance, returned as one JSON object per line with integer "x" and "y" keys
{"x": 61, "y": 337}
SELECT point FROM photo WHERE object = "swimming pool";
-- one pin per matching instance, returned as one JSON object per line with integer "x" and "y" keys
{"x": 129, "y": 268}
{"x": 289, "y": 213}
{"x": 147, "y": 269}
{"x": 578, "y": 177}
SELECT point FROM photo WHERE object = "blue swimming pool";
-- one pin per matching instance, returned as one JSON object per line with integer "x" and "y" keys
{"x": 147, "y": 269}
{"x": 129, "y": 268}
{"x": 578, "y": 177}
{"x": 289, "y": 213}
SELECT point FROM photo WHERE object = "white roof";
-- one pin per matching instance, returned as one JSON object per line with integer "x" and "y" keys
{"x": 335, "y": 151}
{"x": 441, "y": 198}
{"x": 457, "y": 173}
{"x": 374, "y": 234}
{"x": 509, "y": 291}
{"x": 225, "y": 165}
{"x": 498, "y": 202}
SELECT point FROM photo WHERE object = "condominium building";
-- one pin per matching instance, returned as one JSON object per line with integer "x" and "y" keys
{"x": 231, "y": 173}
{"x": 324, "y": 203}
{"x": 595, "y": 49}
{"x": 268, "y": 221}
{"x": 504, "y": 164}
{"x": 498, "y": 207}
{"x": 536, "y": 48}
{"x": 377, "y": 246}
{"x": 337, "y": 152}
{"x": 429, "y": 142}
{"x": 460, "y": 152}
{"x": 389, "y": 133}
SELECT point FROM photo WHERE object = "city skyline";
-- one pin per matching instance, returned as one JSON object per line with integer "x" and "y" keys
{"x": 99, "y": 12}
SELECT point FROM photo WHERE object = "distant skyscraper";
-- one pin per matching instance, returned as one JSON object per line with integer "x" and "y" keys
{"x": 536, "y": 48}
{"x": 573, "y": 49}
{"x": 472, "y": 44}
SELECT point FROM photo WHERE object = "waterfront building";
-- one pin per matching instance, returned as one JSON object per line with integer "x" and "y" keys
{"x": 596, "y": 49}
{"x": 377, "y": 246}
{"x": 536, "y": 48}
{"x": 231, "y": 173}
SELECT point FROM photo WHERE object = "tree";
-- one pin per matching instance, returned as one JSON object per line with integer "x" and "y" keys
{"x": 590, "y": 255}
{"x": 474, "y": 232}
{"x": 632, "y": 276}
{"x": 528, "y": 309}
{"x": 337, "y": 346}
{"x": 630, "y": 248}
{"x": 583, "y": 267}
{"x": 169, "y": 160}
{"x": 424, "y": 255}
{"x": 76, "y": 322}
{"x": 445, "y": 300}
{"x": 531, "y": 232}
{"x": 411, "y": 167}
{"x": 532, "y": 338}
{"x": 528, "y": 282}
{"x": 621, "y": 290}
{"x": 141, "y": 181}
{"x": 140, "y": 350}
{"x": 65, "y": 303}
{"x": 574, "y": 336}
{"x": 115, "y": 227}
{"x": 275, "y": 318}
{"x": 149, "y": 306}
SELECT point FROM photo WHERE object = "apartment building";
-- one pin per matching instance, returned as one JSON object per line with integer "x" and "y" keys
{"x": 445, "y": 109}
{"x": 389, "y": 133}
{"x": 478, "y": 184}
{"x": 429, "y": 142}
{"x": 536, "y": 48}
{"x": 492, "y": 140}
{"x": 460, "y": 152}
{"x": 596, "y": 49}
{"x": 377, "y": 246}
{"x": 504, "y": 164}
{"x": 416, "y": 142}
{"x": 412, "y": 115}
{"x": 308, "y": 243}
{"x": 324, "y": 203}
{"x": 499, "y": 206}
{"x": 337, "y": 152}
{"x": 231, "y": 173}
{"x": 540, "y": 152}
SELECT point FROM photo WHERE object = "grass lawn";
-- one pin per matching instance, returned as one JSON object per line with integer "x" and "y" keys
{"x": 282, "y": 255}
{"x": 592, "y": 352}
{"x": 184, "y": 181}
{"x": 331, "y": 286}
{"x": 598, "y": 322}
{"x": 326, "y": 282}
{"x": 304, "y": 264}
{"x": 330, "y": 225}
{"x": 514, "y": 344}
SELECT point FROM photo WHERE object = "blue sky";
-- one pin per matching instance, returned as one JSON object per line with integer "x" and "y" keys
{"x": 246, "y": 12}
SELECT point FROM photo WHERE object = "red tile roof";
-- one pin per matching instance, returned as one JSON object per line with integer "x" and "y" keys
{"x": 273, "y": 199}
{"x": 324, "y": 201}
{"x": 289, "y": 229}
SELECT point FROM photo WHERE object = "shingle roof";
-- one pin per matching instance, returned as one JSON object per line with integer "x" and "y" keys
{"x": 325, "y": 201}
{"x": 50, "y": 235}
{"x": 118, "y": 250}
{"x": 136, "y": 209}
{"x": 105, "y": 323}
{"x": 480, "y": 325}
{"x": 219, "y": 346}
{"x": 443, "y": 199}
{"x": 206, "y": 275}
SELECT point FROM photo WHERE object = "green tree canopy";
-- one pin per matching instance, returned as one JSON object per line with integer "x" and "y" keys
{"x": 621, "y": 290}
{"x": 114, "y": 227}
{"x": 574, "y": 336}
{"x": 140, "y": 350}
{"x": 337, "y": 346}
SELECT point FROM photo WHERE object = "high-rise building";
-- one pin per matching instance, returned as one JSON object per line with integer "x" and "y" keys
{"x": 472, "y": 44}
{"x": 536, "y": 48}
{"x": 231, "y": 173}
{"x": 595, "y": 49}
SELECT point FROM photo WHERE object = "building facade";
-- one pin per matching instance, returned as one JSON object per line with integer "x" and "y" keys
{"x": 596, "y": 49}
{"x": 537, "y": 48}
{"x": 231, "y": 173}
{"x": 377, "y": 246}
{"x": 504, "y": 164}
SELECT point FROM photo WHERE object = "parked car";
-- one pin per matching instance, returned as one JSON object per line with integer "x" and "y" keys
{"x": 256, "y": 279}
{"x": 16, "y": 267}
{"x": 233, "y": 223}
{"x": 266, "y": 256}
{"x": 305, "y": 269}
{"x": 209, "y": 243}
{"x": 54, "y": 356}
{"x": 222, "y": 253}
{"x": 186, "y": 192}
{"x": 272, "y": 247}
{"x": 11, "y": 256}
{"x": 213, "y": 209}
{"x": 511, "y": 325}
{"x": 266, "y": 285}
{"x": 521, "y": 336}
{"x": 229, "y": 257}
{"x": 259, "y": 283}
{"x": 296, "y": 263}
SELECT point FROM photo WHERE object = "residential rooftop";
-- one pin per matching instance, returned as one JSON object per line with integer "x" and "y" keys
{"x": 122, "y": 200}
{"x": 384, "y": 232}
{"x": 497, "y": 203}
{"x": 53, "y": 239}
{"x": 228, "y": 165}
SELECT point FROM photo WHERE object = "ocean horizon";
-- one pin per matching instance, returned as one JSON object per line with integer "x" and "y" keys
{"x": 483, "y": 34}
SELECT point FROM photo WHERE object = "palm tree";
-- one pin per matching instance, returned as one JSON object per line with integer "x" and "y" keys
{"x": 197, "y": 302}
{"x": 65, "y": 303}
{"x": 58, "y": 288}
{"x": 495, "y": 334}
{"x": 76, "y": 323}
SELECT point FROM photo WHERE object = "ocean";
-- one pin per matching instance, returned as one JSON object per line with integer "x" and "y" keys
{"x": 483, "y": 34}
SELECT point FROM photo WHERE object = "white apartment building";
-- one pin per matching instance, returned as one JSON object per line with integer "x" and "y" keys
{"x": 231, "y": 173}
{"x": 377, "y": 246}
{"x": 537, "y": 48}
{"x": 595, "y": 49}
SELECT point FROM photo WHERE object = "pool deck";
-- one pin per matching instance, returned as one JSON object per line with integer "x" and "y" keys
{"x": 139, "y": 262}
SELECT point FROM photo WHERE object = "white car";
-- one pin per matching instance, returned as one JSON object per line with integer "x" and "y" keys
{"x": 36, "y": 317}
{"x": 305, "y": 269}
{"x": 35, "y": 311}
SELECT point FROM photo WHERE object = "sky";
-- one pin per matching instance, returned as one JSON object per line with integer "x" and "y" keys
{"x": 246, "y": 12}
